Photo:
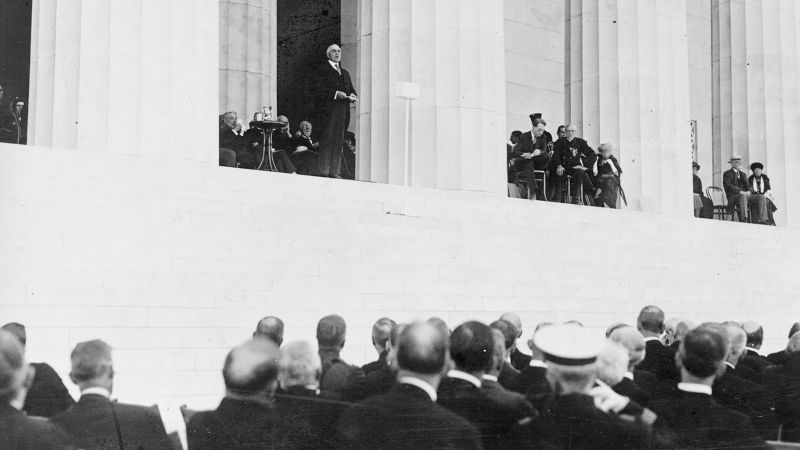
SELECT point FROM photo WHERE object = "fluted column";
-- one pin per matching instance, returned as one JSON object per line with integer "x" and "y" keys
{"x": 248, "y": 34}
{"x": 628, "y": 85}
{"x": 455, "y": 51}
{"x": 756, "y": 102}
{"x": 135, "y": 77}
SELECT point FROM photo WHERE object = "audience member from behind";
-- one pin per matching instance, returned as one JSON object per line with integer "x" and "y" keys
{"x": 471, "y": 349}
{"x": 683, "y": 327}
{"x": 494, "y": 390}
{"x": 509, "y": 332}
{"x": 408, "y": 416}
{"x": 518, "y": 359}
{"x": 379, "y": 381}
{"x": 532, "y": 379}
{"x": 692, "y": 419}
{"x": 659, "y": 359}
{"x": 47, "y": 396}
{"x": 303, "y": 420}
{"x": 381, "y": 331}
{"x": 338, "y": 378}
{"x": 753, "y": 357}
{"x": 271, "y": 328}
{"x": 18, "y": 431}
{"x": 784, "y": 382}
{"x": 96, "y": 421}
{"x": 780, "y": 357}
{"x": 639, "y": 385}
{"x": 245, "y": 417}
{"x": 570, "y": 417}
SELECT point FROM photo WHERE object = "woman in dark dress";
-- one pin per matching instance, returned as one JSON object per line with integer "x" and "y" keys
{"x": 759, "y": 185}
{"x": 606, "y": 172}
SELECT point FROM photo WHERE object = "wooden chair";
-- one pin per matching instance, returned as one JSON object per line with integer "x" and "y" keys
{"x": 717, "y": 195}
{"x": 540, "y": 178}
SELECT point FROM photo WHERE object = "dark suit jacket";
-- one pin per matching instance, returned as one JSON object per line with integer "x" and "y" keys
{"x": 229, "y": 139}
{"x": 690, "y": 420}
{"x": 339, "y": 378}
{"x": 527, "y": 144}
{"x": 379, "y": 381}
{"x": 18, "y": 431}
{"x": 507, "y": 374}
{"x": 783, "y": 384}
{"x": 778, "y": 358}
{"x": 375, "y": 365}
{"x": 573, "y": 422}
{"x": 326, "y": 83}
{"x": 748, "y": 398}
{"x": 513, "y": 400}
{"x": 630, "y": 389}
{"x": 660, "y": 360}
{"x": 562, "y": 151}
{"x": 749, "y": 372}
{"x": 734, "y": 182}
{"x": 48, "y": 396}
{"x": 91, "y": 424}
{"x": 530, "y": 379}
{"x": 697, "y": 186}
{"x": 304, "y": 420}
{"x": 405, "y": 417}
{"x": 234, "y": 424}
{"x": 645, "y": 380}
{"x": 755, "y": 362}
{"x": 492, "y": 419}
{"x": 520, "y": 360}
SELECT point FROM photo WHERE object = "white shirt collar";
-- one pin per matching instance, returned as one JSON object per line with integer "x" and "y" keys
{"x": 97, "y": 391}
{"x": 629, "y": 375}
{"x": 757, "y": 352}
{"x": 464, "y": 376}
{"x": 695, "y": 388}
{"x": 730, "y": 365}
{"x": 17, "y": 404}
{"x": 420, "y": 384}
{"x": 652, "y": 338}
{"x": 490, "y": 378}
{"x": 537, "y": 363}
{"x": 334, "y": 64}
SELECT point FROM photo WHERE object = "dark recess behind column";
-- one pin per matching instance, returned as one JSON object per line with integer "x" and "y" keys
{"x": 15, "y": 49}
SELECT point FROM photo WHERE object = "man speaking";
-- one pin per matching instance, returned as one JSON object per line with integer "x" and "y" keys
{"x": 334, "y": 92}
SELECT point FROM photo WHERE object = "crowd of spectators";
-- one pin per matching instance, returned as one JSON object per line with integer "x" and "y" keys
{"x": 653, "y": 384}
{"x": 292, "y": 152}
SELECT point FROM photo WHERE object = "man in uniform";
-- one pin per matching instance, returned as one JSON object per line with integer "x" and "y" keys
{"x": 573, "y": 157}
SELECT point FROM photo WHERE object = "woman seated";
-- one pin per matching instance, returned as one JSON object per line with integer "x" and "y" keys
{"x": 759, "y": 185}
{"x": 606, "y": 172}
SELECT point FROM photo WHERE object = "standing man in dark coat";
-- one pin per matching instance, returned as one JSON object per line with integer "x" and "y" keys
{"x": 98, "y": 422}
{"x": 408, "y": 415}
{"x": 335, "y": 93}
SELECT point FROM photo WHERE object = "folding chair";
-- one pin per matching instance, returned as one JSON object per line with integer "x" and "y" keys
{"x": 717, "y": 195}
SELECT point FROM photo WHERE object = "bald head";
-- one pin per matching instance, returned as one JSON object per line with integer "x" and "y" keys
{"x": 514, "y": 319}
{"x": 17, "y": 329}
{"x": 633, "y": 341}
{"x": 12, "y": 366}
{"x": 650, "y": 321}
{"x": 440, "y": 324}
{"x": 331, "y": 332}
{"x": 422, "y": 349}
{"x": 251, "y": 369}
{"x": 271, "y": 328}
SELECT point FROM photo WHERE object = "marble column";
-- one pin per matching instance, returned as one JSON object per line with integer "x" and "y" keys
{"x": 756, "y": 103}
{"x": 136, "y": 77}
{"x": 248, "y": 33}
{"x": 454, "y": 49}
{"x": 628, "y": 85}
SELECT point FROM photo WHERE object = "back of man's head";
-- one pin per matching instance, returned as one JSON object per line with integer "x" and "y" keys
{"x": 331, "y": 332}
{"x": 612, "y": 363}
{"x": 794, "y": 329}
{"x": 683, "y": 327}
{"x": 18, "y": 330}
{"x": 632, "y": 341}
{"x": 91, "y": 363}
{"x": 440, "y": 324}
{"x": 251, "y": 368}
{"x": 755, "y": 334}
{"x": 382, "y": 331}
{"x": 299, "y": 365}
{"x": 651, "y": 320}
{"x": 270, "y": 327}
{"x": 12, "y": 366}
{"x": 737, "y": 339}
{"x": 471, "y": 347}
{"x": 702, "y": 351}
{"x": 513, "y": 319}
{"x": 794, "y": 344}
{"x": 422, "y": 349}
{"x": 507, "y": 330}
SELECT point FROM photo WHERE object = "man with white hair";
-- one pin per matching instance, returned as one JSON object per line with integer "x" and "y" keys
{"x": 98, "y": 422}
{"x": 639, "y": 385}
{"x": 335, "y": 93}
{"x": 16, "y": 429}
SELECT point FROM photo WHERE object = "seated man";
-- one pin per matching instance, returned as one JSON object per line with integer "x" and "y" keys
{"x": 349, "y": 156}
{"x": 96, "y": 421}
{"x": 779, "y": 357}
{"x": 338, "y": 379}
{"x": 573, "y": 157}
{"x": 784, "y": 383}
{"x": 606, "y": 171}
{"x": 255, "y": 139}
{"x": 759, "y": 185}
{"x": 231, "y": 140}
{"x": 381, "y": 331}
{"x": 490, "y": 383}
{"x": 534, "y": 150}
{"x": 739, "y": 193}
{"x": 512, "y": 162}
{"x": 305, "y": 155}
{"x": 703, "y": 206}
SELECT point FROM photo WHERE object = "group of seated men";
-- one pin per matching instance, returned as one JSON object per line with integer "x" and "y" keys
{"x": 291, "y": 153}
{"x": 543, "y": 169}
{"x": 656, "y": 384}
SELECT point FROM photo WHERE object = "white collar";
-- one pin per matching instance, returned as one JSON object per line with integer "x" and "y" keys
{"x": 629, "y": 375}
{"x": 17, "y": 404}
{"x": 652, "y": 338}
{"x": 464, "y": 376}
{"x": 695, "y": 388}
{"x": 334, "y": 64}
{"x": 730, "y": 365}
{"x": 96, "y": 391}
{"x": 757, "y": 352}
{"x": 420, "y": 384}
{"x": 490, "y": 378}
{"x": 537, "y": 363}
